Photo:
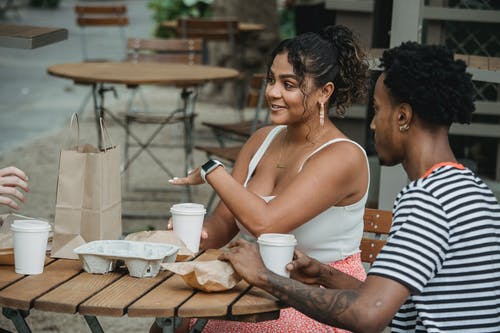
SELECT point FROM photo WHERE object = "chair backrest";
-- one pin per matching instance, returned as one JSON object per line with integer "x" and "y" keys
{"x": 208, "y": 28}
{"x": 186, "y": 51}
{"x": 256, "y": 98}
{"x": 377, "y": 224}
{"x": 100, "y": 16}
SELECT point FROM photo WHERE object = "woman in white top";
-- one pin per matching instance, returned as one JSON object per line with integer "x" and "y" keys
{"x": 302, "y": 176}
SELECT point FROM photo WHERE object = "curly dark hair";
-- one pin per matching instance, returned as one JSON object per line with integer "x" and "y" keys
{"x": 333, "y": 55}
{"x": 427, "y": 77}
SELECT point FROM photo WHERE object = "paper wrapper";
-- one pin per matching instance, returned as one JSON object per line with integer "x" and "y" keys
{"x": 209, "y": 276}
{"x": 163, "y": 236}
{"x": 7, "y": 240}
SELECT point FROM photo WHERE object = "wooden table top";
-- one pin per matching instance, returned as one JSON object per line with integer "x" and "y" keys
{"x": 242, "y": 26}
{"x": 30, "y": 37}
{"x": 64, "y": 288}
{"x": 131, "y": 73}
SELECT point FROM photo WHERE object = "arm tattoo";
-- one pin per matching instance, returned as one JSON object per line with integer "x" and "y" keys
{"x": 325, "y": 305}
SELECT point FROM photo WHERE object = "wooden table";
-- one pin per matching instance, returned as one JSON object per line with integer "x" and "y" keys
{"x": 133, "y": 74}
{"x": 64, "y": 288}
{"x": 29, "y": 37}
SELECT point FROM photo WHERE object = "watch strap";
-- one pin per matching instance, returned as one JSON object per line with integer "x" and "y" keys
{"x": 208, "y": 167}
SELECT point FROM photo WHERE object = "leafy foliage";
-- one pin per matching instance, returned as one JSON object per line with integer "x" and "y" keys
{"x": 165, "y": 10}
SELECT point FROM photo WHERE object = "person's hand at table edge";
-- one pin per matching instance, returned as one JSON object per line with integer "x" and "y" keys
{"x": 246, "y": 261}
{"x": 11, "y": 180}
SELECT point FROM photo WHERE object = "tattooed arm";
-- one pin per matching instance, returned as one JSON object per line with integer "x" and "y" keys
{"x": 366, "y": 307}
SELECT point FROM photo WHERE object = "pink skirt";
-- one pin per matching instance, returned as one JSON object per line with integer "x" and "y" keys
{"x": 290, "y": 320}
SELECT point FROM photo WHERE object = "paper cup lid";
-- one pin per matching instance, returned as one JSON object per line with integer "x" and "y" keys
{"x": 30, "y": 225}
{"x": 188, "y": 208}
{"x": 277, "y": 239}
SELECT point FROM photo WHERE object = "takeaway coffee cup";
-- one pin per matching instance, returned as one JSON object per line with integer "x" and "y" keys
{"x": 30, "y": 245}
{"x": 276, "y": 251}
{"x": 187, "y": 220}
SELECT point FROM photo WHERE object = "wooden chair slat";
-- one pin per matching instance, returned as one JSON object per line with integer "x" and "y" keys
{"x": 370, "y": 249}
{"x": 377, "y": 225}
{"x": 101, "y": 21}
{"x": 377, "y": 221}
{"x": 209, "y": 29}
{"x": 89, "y": 9}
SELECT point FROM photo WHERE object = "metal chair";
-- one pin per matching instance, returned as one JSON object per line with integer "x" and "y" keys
{"x": 241, "y": 131}
{"x": 184, "y": 51}
{"x": 218, "y": 29}
{"x": 99, "y": 16}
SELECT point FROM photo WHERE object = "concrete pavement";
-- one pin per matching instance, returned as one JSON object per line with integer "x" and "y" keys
{"x": 34, "y": 104}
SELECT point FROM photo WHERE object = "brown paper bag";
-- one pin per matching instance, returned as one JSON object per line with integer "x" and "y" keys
{"x": 163, "y": 236}
{"x": 208, "y": 276}
{"x": 88, "y": 201}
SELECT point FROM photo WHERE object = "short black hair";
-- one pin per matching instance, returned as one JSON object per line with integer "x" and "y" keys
{"x": 427, "y": 77}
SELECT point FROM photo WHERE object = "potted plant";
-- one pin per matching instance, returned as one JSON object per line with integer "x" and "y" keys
{"x": 165, "y": 10}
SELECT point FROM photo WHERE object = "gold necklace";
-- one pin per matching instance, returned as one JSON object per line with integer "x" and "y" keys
{"x": 286, "y": 142}
{"x": 280, "y": 165}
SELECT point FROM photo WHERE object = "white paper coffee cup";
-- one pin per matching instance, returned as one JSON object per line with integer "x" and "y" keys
{"x": 30, "y": 245}
{"x": 276, "y": 251}
{"x": 187, "y": 222}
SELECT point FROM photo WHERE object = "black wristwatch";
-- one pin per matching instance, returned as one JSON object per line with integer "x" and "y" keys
{"x": 208, "y": 167}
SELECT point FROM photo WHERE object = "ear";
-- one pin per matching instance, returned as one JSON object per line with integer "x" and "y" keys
{"x": 404, "y": 114}
{"x": 326, "y": 92}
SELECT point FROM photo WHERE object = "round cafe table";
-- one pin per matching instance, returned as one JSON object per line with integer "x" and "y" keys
{"x": 131, "y": 74}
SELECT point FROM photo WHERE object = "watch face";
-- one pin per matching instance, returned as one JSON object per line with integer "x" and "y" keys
{"x": 207, "y": 166}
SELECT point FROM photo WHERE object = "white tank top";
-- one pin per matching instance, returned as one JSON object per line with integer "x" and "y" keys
{"x": 330, "y": 236}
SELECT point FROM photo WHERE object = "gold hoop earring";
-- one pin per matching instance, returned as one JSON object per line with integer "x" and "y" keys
{"x": 321, "y": 114}
{"x": 404, "y": 128}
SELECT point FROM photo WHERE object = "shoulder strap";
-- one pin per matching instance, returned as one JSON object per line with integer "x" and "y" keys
{"x": 260, "y": 152}
{"x": 327, "y": 144}
{"x": 340, "y": 140}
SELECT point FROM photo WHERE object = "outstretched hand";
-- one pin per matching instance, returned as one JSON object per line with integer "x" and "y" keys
{"x": 246, "y": 261}
{"x": 193, "y": 178}
{"x": 11, "y": 180}
{"x": 305, "y": 269}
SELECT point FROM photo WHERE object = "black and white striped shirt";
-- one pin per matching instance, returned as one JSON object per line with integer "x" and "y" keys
{"x": 444, "y": 246}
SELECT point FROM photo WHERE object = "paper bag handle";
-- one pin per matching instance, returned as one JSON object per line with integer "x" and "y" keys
{"x": 74, "y": 117}
{"x": 105, "y": 135}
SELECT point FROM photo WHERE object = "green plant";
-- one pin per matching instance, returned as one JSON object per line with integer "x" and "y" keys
{"x": 164, "y": 10}
{"x": 287, "y": 23}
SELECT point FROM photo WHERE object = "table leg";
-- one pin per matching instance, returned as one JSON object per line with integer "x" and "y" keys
{"x": 94, "y": 324}
{"x": 17, "y": 318}
{"x": 199, "y": 326}
{"x": 189, "y": 99}
{"x": 168, "y": 325}
{"x": 98, "y": 93}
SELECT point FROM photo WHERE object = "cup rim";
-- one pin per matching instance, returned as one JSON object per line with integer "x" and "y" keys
{"x": 30, "y": 226}
{"x": 282, "y": 243}
{"x": 188, "y": 208}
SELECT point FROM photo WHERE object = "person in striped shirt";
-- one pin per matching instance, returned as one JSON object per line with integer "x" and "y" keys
{"x": 440, "y": 268}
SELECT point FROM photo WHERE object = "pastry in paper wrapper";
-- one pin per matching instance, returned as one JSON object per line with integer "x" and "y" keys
{"x": 162, "y": 236}
{"x": 209, "y": 276}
